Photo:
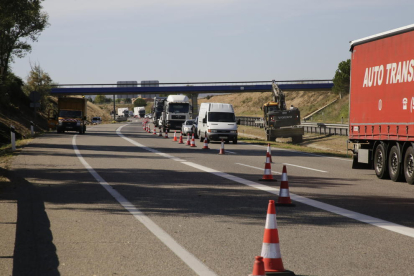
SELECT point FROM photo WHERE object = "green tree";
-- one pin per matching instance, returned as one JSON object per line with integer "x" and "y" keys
{"x": 39, "y": 81}
{"x": 140, "y": 102}
{"x": 21, "y": 21}
{"x": 100, "y": 99}
{"x": 341, "y": 80}
{"x": 128, "y": 100}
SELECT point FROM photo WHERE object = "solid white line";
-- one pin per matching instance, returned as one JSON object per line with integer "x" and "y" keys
{"x": 304, "y": 167}
{"x": 188, "y": 258}
{"x": 227, "y": 151}
{"x": 255, "y": 167}
{"x": 397, "y": 228}
{"x": 305, "y": 153}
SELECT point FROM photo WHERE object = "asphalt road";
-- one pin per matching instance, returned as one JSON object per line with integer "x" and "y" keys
{"x": 120, "y": 201}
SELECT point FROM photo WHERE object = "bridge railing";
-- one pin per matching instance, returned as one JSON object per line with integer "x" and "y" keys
{"x": 317, "y": 128}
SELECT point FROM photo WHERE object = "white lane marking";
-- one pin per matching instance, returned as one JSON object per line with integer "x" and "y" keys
{"x": 304, "y": 167}
{"x": 256, "y": 168}
{"x": 304, "y": 153}
{"x": 397, "y": 228}
{"x": 198, "y": 267}
{"x": 231, "y": 152}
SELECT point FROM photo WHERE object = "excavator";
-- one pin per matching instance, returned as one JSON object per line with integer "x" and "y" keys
{"x": 280, "y": 122}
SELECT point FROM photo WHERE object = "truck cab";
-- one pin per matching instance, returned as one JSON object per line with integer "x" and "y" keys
{"x": 175, "y": 112}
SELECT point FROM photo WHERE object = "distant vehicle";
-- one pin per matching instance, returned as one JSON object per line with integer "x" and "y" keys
{"x": 121, "y": 111}
{"x": 194, "y": 128}
{"x": 96, "y": 120}
{"x": 216, "y": 122}
{"x": 140, "y": 111}
{"x": 72, "y": 115}
{"x": 187, "y": 127}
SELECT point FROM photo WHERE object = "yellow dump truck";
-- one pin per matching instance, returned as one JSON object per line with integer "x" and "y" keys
{"x": 72, "y": 115}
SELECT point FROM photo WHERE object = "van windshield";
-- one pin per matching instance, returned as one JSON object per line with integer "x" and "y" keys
{"x": 178, "y": 108}
{"x": 221, "y": 117}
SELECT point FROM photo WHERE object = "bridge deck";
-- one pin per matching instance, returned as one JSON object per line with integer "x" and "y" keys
{"x": 191, "y": 88}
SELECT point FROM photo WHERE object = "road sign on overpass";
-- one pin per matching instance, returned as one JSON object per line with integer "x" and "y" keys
{"x": 191, "y": 88}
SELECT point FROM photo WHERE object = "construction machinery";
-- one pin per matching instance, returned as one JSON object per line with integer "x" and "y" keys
{"x": 280, "y": 122}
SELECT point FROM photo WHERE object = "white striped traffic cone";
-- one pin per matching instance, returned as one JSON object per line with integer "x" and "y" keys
{"x": 192, "y": 142}
{"x": 166, "y": 134}
{"x": 267, "y": 176}
{"x": 188, "y": 140}
{"x": 272, "y": 257}
{"x": 222, "y": 148}
{"x": 155, "y": 131}
{"x": 269, "y": 150}
{"x": 284, "y": 196}
{"x": 181, "y": 139}
{"x": 175, "y": 136}
{"x": 205, "y": 144}
{"x": 160, "y": 134}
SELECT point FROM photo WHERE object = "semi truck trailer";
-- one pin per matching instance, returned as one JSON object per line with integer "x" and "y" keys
{"x": 381, "y": 108}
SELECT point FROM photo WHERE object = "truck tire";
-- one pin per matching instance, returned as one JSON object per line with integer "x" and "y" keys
{"x": 409, "y": 165}
{"x": 235, "y": 141}
{"x": 201, "y": 138}
{"x": 380, "y": 162}
{"x": 394, "y": 164}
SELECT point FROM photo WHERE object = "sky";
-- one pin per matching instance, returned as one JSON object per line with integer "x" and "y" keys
{"x": 105, "y": 41}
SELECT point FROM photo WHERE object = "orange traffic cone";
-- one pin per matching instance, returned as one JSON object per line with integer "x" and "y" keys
{"x": 181, "y": 139}
{"x": 269, "y": 150}
{"x": 155, "y": 131}
{"x": 175, "y": 136}
{"x": 166, "y": 134}
{"x": 192, "y": 142}
{"x": 284, "y": 196}
{"x": 160, "y": 134}
{"x": 205, "y": 144}
{"x": 272, "y": 258}
{"x": 188, "y": 140}
{"x": 258, "y": 267}
{"x": 222, "y": 148}
{"x": 268, "y": 170}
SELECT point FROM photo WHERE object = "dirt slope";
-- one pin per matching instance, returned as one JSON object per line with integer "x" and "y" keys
{"x": 248, "y": 104}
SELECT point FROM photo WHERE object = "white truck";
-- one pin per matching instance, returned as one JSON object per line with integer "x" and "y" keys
{"x": 175, "y": 112}
{"x": 140, "y": 111}
{"x": 122, "y": 111}
{"x": 216, "y": 122}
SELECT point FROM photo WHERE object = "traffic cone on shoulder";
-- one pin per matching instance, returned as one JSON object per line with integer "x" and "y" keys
{"x": 188, "y": 140}
{"x": 181, "y": 139}
{"x": 258, "y": 267}
{"x": 284, "y": 196}
{"x": 272, "y": 258}
{"x": 222, "y": 148}
{"x": 205, "y": 144}
{"x": 268, "y": 170}
{"x": 166, "y": 134}
{"x": 175, "y": 136}
{"x": 269, "y": 150}
{"x": 192, "y": 142}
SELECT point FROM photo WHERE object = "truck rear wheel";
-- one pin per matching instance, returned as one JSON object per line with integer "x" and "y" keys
{"x": 394, "y": 164}
{"x": 380, "y": 162}
{"x": 409, "y": 165}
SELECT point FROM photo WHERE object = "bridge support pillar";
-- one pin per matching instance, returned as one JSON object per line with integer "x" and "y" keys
{"x": 194, "y": 104}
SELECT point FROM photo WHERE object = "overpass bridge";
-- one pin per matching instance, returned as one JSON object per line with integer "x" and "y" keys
{"x": 190, "y": 87}
{"x": 193, "y": 88}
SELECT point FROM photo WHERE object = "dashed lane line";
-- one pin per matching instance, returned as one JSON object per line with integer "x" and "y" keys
{"x": 196, "y": 265}
{"x": 390, "y": 226}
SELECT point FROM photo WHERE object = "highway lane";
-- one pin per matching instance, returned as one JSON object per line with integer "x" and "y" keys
{"x": 217, "y": 220}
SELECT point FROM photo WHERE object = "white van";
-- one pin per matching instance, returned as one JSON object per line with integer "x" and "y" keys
{"x": 217, "y": 122}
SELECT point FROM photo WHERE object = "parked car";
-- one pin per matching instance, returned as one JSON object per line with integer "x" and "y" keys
{"x": 187, "y": 127}
{"x": 96, "y": 120}
{"x": 194, "y": 128}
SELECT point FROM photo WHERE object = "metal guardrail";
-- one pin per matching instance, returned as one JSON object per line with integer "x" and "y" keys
{"x": 317, "y": 128}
